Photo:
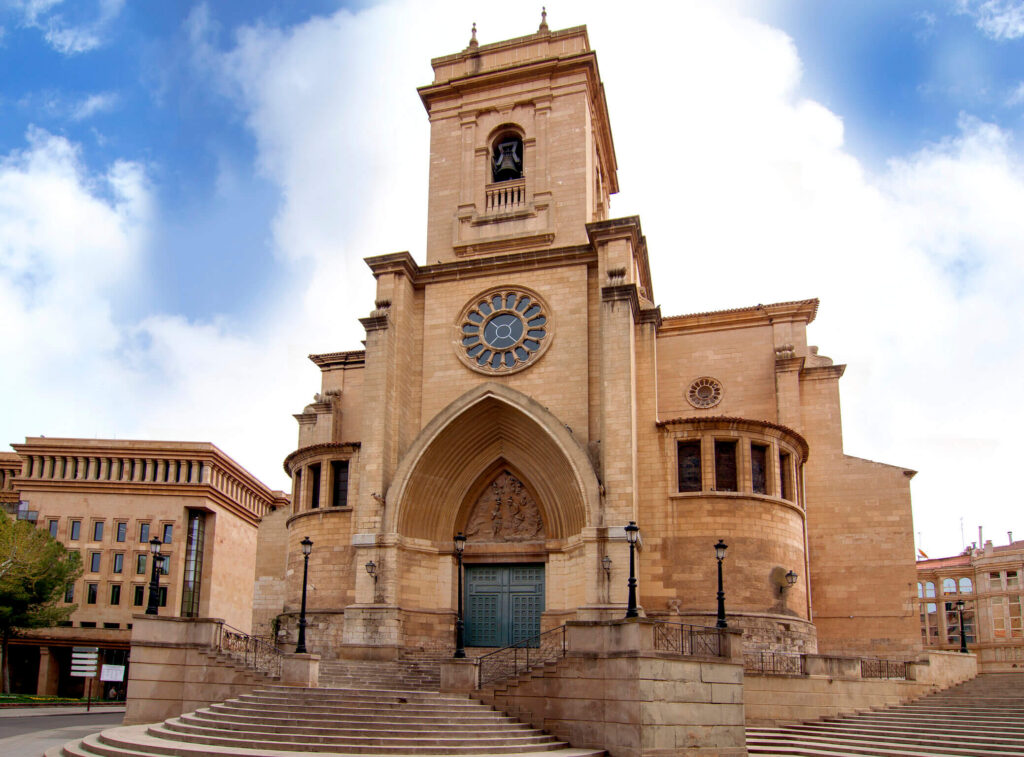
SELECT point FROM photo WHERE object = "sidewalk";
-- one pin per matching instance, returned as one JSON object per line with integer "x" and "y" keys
{"x": 73, "y": 709}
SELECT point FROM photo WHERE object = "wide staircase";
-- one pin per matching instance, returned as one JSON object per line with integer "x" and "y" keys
{"x": 369, "y": 708}
{"x": 983, "y": 716}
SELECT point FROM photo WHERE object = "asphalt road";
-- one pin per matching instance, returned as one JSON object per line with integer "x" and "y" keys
{"x": 28, "y": 732}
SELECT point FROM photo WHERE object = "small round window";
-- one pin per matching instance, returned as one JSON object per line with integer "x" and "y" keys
{"x": 704, "y": 392}
{"x": 503, "y": 331}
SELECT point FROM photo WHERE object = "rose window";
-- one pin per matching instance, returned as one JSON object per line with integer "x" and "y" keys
{"x": 704, "y": 392}
{"x": 503, "y": 331}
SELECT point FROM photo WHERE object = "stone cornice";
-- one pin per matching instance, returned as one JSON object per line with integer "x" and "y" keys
{"x": 313, "y": 450}
{"x": 720, "y": 422}
{"x": 350, "y": 359}
{"x": 623, "y": 293}
{"x": 626, "y": 228}
{"x": 799, "y": 310}
{"x": 420, "y": 276}
{"x": 822, "y": 372}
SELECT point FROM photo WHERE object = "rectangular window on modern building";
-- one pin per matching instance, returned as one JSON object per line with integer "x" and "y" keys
{"x": 69, "y": 593}
{"x": 94, "y": 562}
{"x": 115, "y": 594}
{"x": 168, "y": 533}
{"x": 143, "y": 532}
{"x": 122, "y": 530}
{"x": 87, "y": 623}
{"x": 163, "y": 596}
{"x": 339, "y": 480}
{"x": 785, "y": 476}
{"x": 91, "y": 592}
{"x": 314, "y": 485}
{"x": 53, "y": 528}
{"x": 138, "y": 595}
{"x": 118, "y": 563}
{"x": 76, "y": 530}
{"x": 688, "y": 460}
{"x": 759, "y": 468}
{"x": 97, "y": 531}
{"x": 140, "y": 564}
{"x": 725, "y": 466}
{"x": 195, "y": 537}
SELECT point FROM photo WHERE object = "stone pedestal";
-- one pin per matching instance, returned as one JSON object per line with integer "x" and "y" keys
{"x": 458, "y": 675}
{"x": 300, "y": 669}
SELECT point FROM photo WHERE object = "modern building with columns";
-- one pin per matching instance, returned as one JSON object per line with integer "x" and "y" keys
{"x": 107, "y": 499}
{"x": 522, "y": 386}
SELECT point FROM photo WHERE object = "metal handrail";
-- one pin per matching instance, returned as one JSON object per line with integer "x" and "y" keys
{"x": 253, "y": 652}
{"x": 877, "y": 668}
{"x": 686, "y": 639}
{"x": 774, "y": 663}
{"x": 522, "y": 656}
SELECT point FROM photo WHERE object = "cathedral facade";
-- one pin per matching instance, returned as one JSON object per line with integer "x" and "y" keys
{"x": 523, "y": 388}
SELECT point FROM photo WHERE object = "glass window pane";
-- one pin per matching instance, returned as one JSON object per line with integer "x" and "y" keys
{"x": 76, "y": 529}
{"x": 966, "y": 586}
{"x": 143, "y": 532}
{"x": 97, "y": 531}
{"x": 725, "y": 466}
{"x": 53, "y": 529}
{"x": 759, "y": 468}
{"x": 168, "y": 533}
{"x": 122, "y": 531}
{"x": 689, "y": 466}
{"x": 948, "y": 586}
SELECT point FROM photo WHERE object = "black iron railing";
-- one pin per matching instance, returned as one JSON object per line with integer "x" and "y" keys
{"x": 684, "y": 639}
{"x": 882, "y": 668}
{"x": 253, "y": 652}
{"x": 774, "y": 663}
{"x": 520, "y": 657}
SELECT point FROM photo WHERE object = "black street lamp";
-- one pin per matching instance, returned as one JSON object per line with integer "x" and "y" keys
{"x": 963, "y": 637}
{"x": 720, "y": 555}
{"x": 307, "y": 547}
{"x": 460, "y": 647}
{"x": 632, "y": 534}
{"x": 153, "y": 607}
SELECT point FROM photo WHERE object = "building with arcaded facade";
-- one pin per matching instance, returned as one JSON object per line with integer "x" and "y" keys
{"x": 989, "y": 583}
{"x": 107, "y": 500}
{"x": 524, "y": 388}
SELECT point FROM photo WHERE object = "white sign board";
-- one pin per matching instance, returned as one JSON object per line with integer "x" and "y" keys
{"x": 112, "y": 673}
{"x": 84, "y": 661}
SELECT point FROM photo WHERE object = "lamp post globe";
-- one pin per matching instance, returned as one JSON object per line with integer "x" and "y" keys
{"x": 307, "y": 547}
{"x": 460, "y": 647}
{"x": 632, "y": 536}
{"x": 153, "y": 606}
{"x": 720, "y": 555}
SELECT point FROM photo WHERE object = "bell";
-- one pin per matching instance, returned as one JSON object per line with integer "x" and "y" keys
{"x": 507, "y": 163}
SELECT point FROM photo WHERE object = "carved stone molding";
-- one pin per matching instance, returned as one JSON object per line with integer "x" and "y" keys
{"x": 505, "y": 512}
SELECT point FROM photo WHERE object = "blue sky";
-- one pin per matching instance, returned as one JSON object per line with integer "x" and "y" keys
{"x": 187, "y": 191}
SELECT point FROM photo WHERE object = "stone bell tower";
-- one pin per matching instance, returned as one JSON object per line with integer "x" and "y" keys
{"x": 521, "y": 152}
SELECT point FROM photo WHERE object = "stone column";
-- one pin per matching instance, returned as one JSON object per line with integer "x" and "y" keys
{"x": 49, "y": 673}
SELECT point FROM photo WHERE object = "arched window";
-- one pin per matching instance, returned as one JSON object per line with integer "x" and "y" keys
{"x": 929, "y": 589}
{"x": 948, "y": 586}
{"x": 966, "y": 586}
{"x": 507, "y": 157}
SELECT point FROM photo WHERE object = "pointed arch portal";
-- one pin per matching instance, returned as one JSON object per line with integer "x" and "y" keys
{"x": 488, "y": 427}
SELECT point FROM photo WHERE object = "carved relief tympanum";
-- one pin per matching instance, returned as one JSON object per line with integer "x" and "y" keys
{"x": 505, "y": 512}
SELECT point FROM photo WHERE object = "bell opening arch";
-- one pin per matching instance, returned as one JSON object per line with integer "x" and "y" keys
{"x": 491, "y": 426}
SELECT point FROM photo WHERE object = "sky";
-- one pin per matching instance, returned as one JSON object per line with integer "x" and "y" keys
{"x": 187, "y": 191}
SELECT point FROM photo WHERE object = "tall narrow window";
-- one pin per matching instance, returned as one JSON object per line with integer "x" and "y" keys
{"x": 69, "y": 593}
{"x": 785, "y": 480}
{"x": 53, "y": 529}
{"x": 122, "y": 530}
{"x": 759, "y": 468}
{"x": 91, "y": 591}
{"x": 966, "y": 587}
{"x": 725, "y": 466}
{"x": 138, "y": 594}
{"x": 314, "y": 485}
{"x": 1016, "y": 617}
{"x": 76, "y": 530}
{"x": 296, "y": 491}
{"x": 97, "y": 531}
{"x": 94, "y": 562}
{"x": 140, "y": 564}
{"x": 507, "y": 158}
{"x": 118, "y": 562}
{"x": 143, "y": 533}
{"x": 339, "y": 488}
{"x": 195, "y": 536}
{"x": 168, "y": 533}
{"x": 689, "y": 466}
{"x": 115, "y": 594}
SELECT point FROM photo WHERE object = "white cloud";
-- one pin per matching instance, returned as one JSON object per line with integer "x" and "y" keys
{"x": 1016, "y": 97}
{"x": 998, "y": 19}
{"x": 66, "y": 36}
{"x": 101, "y": 102}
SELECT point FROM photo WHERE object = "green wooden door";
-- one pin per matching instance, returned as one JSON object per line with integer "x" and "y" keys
{"x": 503, "y": 603}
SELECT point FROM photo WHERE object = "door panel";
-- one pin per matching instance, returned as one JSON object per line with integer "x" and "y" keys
{"x": 503, "y": 603}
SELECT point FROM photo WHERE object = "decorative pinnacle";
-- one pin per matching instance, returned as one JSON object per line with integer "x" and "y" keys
{"x": 543, "y": 19}
{"x": 472, "y": 39}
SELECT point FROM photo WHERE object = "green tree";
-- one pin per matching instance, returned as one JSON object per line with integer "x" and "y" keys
{"x": 34, "y": 571}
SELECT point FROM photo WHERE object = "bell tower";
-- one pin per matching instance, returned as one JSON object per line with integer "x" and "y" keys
{"x": 521, "y": 152}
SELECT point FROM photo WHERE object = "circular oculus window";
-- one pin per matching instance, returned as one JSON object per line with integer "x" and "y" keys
{"x": 704, "y": 392}
{"x": 503, "y": 331}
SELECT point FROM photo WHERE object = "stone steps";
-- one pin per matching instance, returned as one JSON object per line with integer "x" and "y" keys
{"x": 280, "y": 720}
{"x": 979, "y": 717}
